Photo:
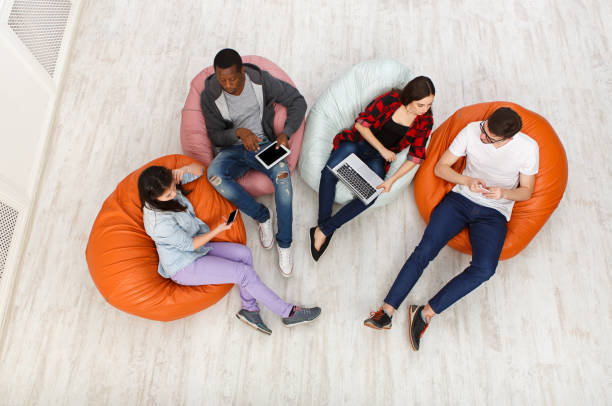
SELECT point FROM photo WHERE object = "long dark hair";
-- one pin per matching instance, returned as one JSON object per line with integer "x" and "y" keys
{"x": 152, "y": 183}
{"x": 416, "y": 89}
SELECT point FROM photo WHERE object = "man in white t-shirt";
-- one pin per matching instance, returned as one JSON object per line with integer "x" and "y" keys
{"x": 501, "y": 164}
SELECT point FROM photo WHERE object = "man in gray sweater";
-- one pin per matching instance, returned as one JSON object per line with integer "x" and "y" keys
{"x": 238, "y": 106}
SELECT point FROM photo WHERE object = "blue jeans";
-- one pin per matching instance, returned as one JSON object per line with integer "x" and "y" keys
{"x": 232, "y": 163}
{"x": 327, "y": 187}
{"x": 487, "y": 230}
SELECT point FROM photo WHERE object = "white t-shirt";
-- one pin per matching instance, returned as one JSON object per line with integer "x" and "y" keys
{"x": 495, "y": 166}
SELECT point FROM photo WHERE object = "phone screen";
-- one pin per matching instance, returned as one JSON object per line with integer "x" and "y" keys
{"x": 231, "y": 217}
{"x": 270, "y": 155}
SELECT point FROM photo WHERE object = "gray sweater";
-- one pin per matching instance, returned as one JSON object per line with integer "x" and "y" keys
{"x": 268, "y": 90}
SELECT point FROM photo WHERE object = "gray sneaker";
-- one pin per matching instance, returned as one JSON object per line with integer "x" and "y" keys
{"x": 254, "y": 320}
{"x": 302, "y": 315}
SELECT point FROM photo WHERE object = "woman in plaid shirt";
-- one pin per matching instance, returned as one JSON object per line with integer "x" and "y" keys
{"x": 390, "y": 123}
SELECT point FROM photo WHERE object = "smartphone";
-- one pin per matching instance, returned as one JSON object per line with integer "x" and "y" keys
{"x": 231, "y": 217}
{"x": 481, "y": 188}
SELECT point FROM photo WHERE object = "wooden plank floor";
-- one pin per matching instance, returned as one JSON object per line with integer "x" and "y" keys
{"x": 538, "y": 332}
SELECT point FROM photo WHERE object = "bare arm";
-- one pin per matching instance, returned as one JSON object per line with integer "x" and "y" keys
{"x": 367, "y": 135}
{"x": 203, "y": 239}
{"x": 445, "y": 171}
{"x": 521, "y": 193}
{"x": 195, "y": 169}
{"x": 404, "y": 169}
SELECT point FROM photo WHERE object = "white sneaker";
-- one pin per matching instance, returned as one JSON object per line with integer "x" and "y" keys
{"x": 266, "y": 233}
{"x": 285, "y": 261}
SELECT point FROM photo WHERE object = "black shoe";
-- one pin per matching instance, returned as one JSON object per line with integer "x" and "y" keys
{"x": 378, "y": 320}
{"x": 417, "y": 326}
{"x": 317, "y": 254}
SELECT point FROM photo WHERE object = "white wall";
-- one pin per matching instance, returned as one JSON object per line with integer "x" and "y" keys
{"x": 28, "y": 98}
{"x": 26, "y": 103}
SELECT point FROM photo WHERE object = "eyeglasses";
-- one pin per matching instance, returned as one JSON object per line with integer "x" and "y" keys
{"x": 489, "y": 139}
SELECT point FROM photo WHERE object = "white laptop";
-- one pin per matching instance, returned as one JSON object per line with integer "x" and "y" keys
{"x": 359, "y": 178}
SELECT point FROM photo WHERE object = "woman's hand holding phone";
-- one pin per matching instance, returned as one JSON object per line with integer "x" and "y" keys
{"x": 223, "y": 226}
{"x": 227, "y": 222}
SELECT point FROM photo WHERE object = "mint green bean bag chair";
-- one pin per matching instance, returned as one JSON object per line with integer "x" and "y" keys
{"x": 337, "y": 108}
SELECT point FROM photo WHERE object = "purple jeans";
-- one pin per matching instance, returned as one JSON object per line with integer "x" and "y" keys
{"x": 228, "y": 262}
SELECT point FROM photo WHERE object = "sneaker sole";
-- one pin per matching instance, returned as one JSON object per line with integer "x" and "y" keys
{"x": 267, "y": 248}
{"x": 245, "y": 321}
{"x": 286, "y": 275}
{"x": 371, "y": 325}
{"x": 301, "y": 322}
{"x": 411, "y": 313}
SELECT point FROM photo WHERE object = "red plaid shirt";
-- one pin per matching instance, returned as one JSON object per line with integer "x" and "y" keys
{"x": 377, "y": 113}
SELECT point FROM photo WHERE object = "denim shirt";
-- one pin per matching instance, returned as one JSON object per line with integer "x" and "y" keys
{"x": 173, "y": 234}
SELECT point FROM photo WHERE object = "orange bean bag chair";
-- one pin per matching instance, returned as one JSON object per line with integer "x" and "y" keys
{"x": 527, "y": 217}
{"x": 123, "y": 259}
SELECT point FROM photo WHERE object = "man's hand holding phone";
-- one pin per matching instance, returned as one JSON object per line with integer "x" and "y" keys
{"x": 476, "y": 185}
{"x": 494, "y": 192}
{"x": 490, "y": 192}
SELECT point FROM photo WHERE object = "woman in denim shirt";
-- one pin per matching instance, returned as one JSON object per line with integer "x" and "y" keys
{"x": 187, "y": 255}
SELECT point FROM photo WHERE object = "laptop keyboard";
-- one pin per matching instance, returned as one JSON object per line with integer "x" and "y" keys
{"x": 350, "y": 176}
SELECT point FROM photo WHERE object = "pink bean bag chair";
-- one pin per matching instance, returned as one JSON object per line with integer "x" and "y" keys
{"x": 195, "y": 141}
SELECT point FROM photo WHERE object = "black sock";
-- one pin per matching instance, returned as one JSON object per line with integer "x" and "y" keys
{"x": 292, "y": 312}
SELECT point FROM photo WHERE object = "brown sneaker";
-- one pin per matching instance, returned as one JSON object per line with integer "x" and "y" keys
{"x": 378, "y": 320}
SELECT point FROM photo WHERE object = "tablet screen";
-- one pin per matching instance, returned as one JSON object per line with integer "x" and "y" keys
{"x": 271, "y": 154}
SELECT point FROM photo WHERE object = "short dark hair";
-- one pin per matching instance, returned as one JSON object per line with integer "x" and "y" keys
{"x": 226, "y": 58}
{"x": 152, "y": 183}
{"x": 417, "y": 89}
{"x": 505, "y": 122}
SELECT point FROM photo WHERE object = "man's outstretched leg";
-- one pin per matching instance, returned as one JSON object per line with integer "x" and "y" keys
{"x": 487, "y": 231}
{"x": 447, "y": 220}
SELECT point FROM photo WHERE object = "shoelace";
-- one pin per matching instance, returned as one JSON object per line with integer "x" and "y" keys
{"x": 377, "y": 315}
